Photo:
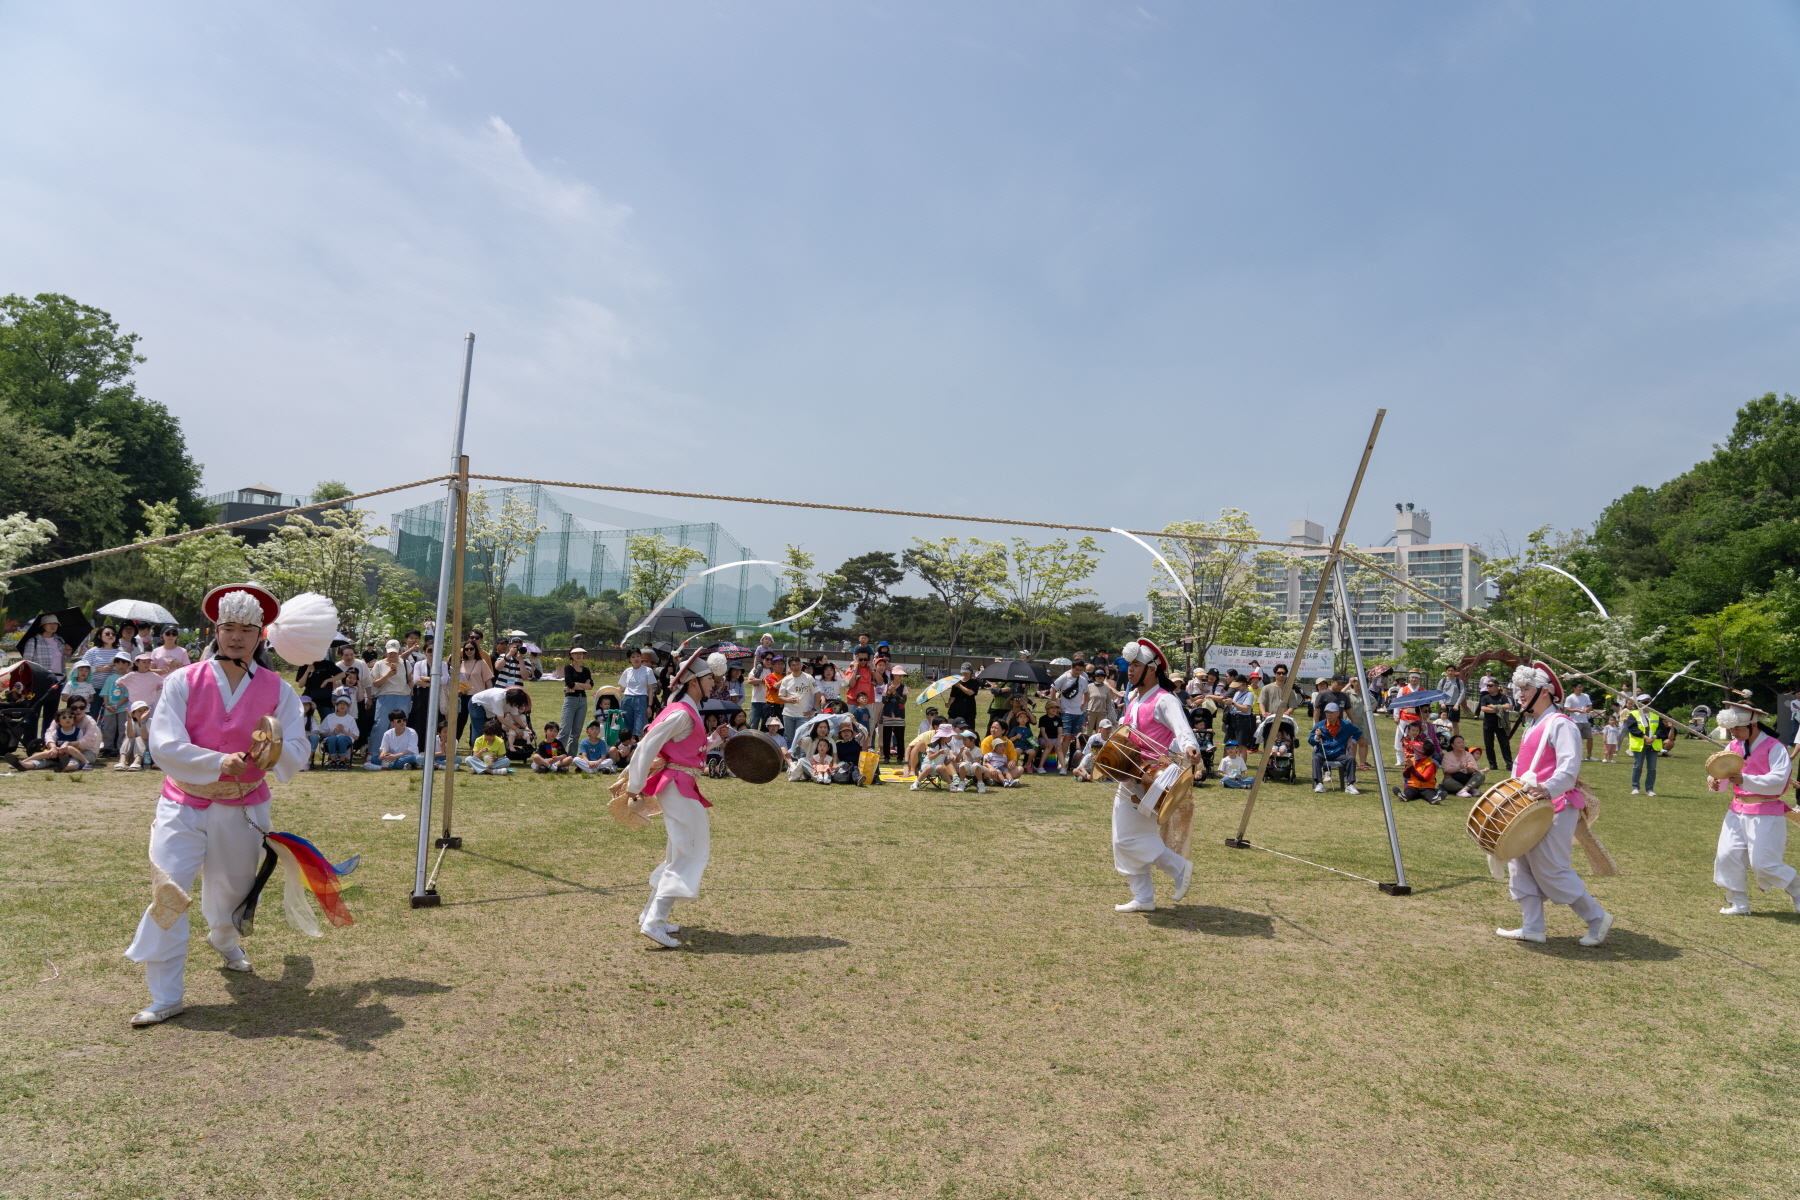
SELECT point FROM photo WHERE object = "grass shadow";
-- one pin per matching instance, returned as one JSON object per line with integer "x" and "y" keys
{"x": 290, "y": 1007}
{"x": 708, "y": 941}
{"x": 1622, "y": 945}
{"x": 1465, "y": 881}
{"x": 1209, "y": 918}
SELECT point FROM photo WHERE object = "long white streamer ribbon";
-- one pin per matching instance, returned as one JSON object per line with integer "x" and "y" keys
{"x": 1159, "y": 558}
{"x": 743, "y": 562}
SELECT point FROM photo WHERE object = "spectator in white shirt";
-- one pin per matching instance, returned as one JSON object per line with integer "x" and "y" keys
{"x": 399, "y": 745}
{"x": 797, "y": 692}
{"x": 338, "y": 732}
{"x": 636, "y": 681}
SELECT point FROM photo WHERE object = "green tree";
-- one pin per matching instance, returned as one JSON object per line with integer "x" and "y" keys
{"x": 68, "y": 481}
{"x": 65, "y": 366}
{"x": 960, "y": 575}
{"x": 798, "y": 591}
{"x": 1218, "y": 584}
{"x": 330, "y": 489}
{"x": 1042, "y": 580}
{"x": 19, "y": 536}
{"x": 183, "y": 572}
{"x": 1738, "y": 640}
{"x": 861, "y": 584}
{"x": 331, "y": 558}
{"x": 655, "y": 565}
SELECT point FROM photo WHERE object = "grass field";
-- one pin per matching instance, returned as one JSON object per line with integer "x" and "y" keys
{"x": 891, "y": 993}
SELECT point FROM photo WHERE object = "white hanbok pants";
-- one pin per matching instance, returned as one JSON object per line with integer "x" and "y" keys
{"x": 1751, "y": 846}
{"x": 222, "y": 845}
{"x": 677, "y": 876}
{"x": 1138, "y": 845}
{"x": 1544, "y": 873}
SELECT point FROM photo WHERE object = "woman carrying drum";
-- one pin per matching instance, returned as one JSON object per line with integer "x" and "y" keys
{"x": 1754, "y": 837}
{"x": 1549, "y": 763}
{"x": 1154, "y": 716}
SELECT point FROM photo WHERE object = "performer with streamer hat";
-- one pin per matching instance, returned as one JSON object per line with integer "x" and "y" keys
{"x": 1155, "y": 717}
{"x": 1549, "y": 763}
{"x": 1754, "y": 837}
{"x": 221, "y": 727}
{"x": 664, "y": 776}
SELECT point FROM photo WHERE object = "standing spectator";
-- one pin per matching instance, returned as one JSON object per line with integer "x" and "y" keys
{"x": 1455, "y": 686}
{"x": 100, "y": 655}
{"x": 473, "y": 675}
{"x": 1070, "y": 689}
{"x": 893, "y": 715}
{"x": 1609, "y": 738}
{"x": 1270, "y": 699}
{"x": 1644, "y": 736}
{"x": 393, "y": 689}
{"x": 319, "y": 680}
{"x": 578, "y": 681}
{"x": 511, "y": 707}
{"x": 1579, "y": 705}
{"x": 962, "y": 695}
{"x": 81, "y": 686}
{"x": 1494, "y": 705}
{"x": 1240, "y": 719}
{"x": 418, "y": 673}
{"x": 41, "y": 644}
{"x": 828, "y": 688}
{"x": 112, "y": 703}
{"x": 1404, "y": 716}
{"x": 795, "y": 690}
{"x": 1097, "y": 699}
{"x": 142, "y": 684}
{"x": 509, "y": 665}
{"x": 636, "y": 681}
{"x": 734, "y": 685}
{"x": 859, "y": 684}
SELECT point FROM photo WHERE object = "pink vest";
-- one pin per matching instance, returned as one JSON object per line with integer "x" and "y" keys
{"x": 1534, "y": 749}
{"x": 1756, "y": 762}
{"x": 1141, "y": 717}
{"x": 210, "y": 727}
{"x": 690, "y": 751}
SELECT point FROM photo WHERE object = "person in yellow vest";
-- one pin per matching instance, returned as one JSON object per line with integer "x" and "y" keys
{"x": 1644, "y": 731}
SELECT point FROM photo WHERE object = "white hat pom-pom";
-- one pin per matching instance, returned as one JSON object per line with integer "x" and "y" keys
{"x": 716, "y": 664}
{"x": 303, "y": 630}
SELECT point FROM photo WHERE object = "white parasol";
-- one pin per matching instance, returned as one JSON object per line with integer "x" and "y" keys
{"x": 141, "y": 611}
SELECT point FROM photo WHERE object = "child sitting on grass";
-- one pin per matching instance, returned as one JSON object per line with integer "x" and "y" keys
{"x": 62, "y": 750}
{"x": 823, "y": 760}
{"x": 1085, "y": 772}
{"x": 1232, "y": 768}
{"x": 590, "y": 754}
{"x": 550, "y": 757}
{"x": 135, "y": 743}
{"x": 490, "y": 753}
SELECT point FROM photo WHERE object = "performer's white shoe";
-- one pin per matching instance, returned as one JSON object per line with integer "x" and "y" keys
{"x": 156, "y": 1016}
{"x": 1598, "y": 930}
{"x": 1132, "y": 906}
{"x": 661, "y": 935}
{"x": 1735, "y": 910}
{"x": 238, "y": 964}
{"x": 1795, "y": 897}
{"x": 1520, "y": 935}
{"x": 1183, "y": 880}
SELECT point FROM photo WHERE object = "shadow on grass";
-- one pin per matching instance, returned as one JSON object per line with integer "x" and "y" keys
{"x": 1465, "y": 881}
{"x": 540, "y": 874}
{"x": 707, "y": 941}
{"x": 1622, "y": 945}
{"x": 1208, "y": 918}
{"x": 289, "y": 1007}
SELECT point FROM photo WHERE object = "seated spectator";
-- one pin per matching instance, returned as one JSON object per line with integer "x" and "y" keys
{"x": 62, "y": 749}
{"x": 550, "y": 757}
{"x": 772, "y": 727}
{"x": 939, "y": 759}
{"x": 852, "y": 740}
{"x": 822, "y": 764}
{"x": 1085, "y": 772}
{"x": 590, "y": 752}
{"x": 134, "y": 747}
{"x": 1049, "y": 739}
{"x": 489, "y": 757}
{"x": 1460, "y": 769}
{"x": 1005, "y": 769}
{"x": 1233, "y": 771}
{"x": 399, "y": 746}
{"x": 338, "y": 732}
{"x": 1334, "y": 741}
{"x": 1419, "y": 770}
{"x": 610, "y": 717}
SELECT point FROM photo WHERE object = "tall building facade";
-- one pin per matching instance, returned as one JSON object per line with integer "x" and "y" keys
{"x": 1449, "y": 570}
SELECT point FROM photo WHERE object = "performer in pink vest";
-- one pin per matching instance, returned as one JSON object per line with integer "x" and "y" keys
{"x": 1754, "y": 838}
{"x": 1549, "y": 761}
{"x": 668, "y": 763}
{"x": 214, "y": 808}
{"x": 1154, "y": 714}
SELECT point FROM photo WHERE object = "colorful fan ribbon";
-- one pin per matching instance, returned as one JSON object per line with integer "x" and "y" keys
{"x": 303, "y": 870}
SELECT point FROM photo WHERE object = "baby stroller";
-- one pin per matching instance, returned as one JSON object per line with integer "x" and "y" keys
{"x": 1279, "y": 745}
{"x": 15, "y": 731}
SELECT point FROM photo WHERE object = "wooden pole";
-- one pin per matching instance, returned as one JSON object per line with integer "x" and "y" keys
{"x": 1312, "y": 617}
{"x": 456, "y": 630}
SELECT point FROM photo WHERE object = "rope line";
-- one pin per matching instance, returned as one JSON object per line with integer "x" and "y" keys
{"x": 176, "y": 537}
{"x": 1309, "y": 862}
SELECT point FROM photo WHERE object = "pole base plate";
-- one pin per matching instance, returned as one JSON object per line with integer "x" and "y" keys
{"x": 1238, "y": 844}
{"x": 449, "y": 843}
{"x": 1394, "y": 889}
{"x": 427, "y": 899}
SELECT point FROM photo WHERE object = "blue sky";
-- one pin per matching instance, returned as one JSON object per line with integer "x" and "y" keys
{"x": 1106, "y": 263}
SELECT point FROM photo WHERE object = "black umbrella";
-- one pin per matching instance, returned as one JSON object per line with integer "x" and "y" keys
{"x": 1014, "y": 670}
{"x": 74, "y": 626}
{"x": 721, "y": 706}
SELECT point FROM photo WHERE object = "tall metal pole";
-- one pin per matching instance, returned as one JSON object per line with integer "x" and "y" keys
{"x": 1399, "y": 887}
{"x": 1312, "y": 617}
{"x": 421, "y": 896}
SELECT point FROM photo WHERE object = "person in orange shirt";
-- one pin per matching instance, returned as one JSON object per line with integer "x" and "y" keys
{"x": 859, "y": 686}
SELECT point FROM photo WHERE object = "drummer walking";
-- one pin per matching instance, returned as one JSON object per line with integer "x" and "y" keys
{"x": 1754, "y": 837}
{"x": 1549, "y": 764}
{"x": 1154, "y": 714}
